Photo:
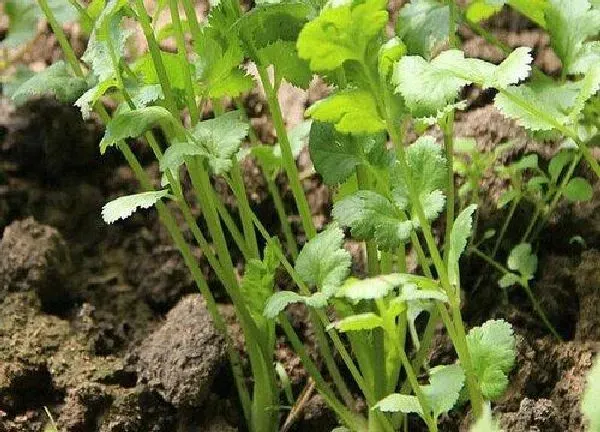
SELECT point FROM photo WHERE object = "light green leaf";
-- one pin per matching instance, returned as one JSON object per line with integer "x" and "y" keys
{"x": 352, "y": 111}
{"x": 176, "y": 153}
{"x": 589, "y": 404}
{"x": 336, "y": 155}
{"x": 280, "y": 300}
{"x": 410, "y": 292}
{"x": 258, "y": 282}
{"x": 444, "y": 389}
{"x": 56, "y": 80}
{"x": 174, "y": 67}
{"x": 539, "y": 105}
{"x": 486, "y": 422}
{"x": 570, "y": 23}
{"x": 479, "y": 10}
{"x": 424, "y": 26}
{"x": 521, "y": 259}
{"x": 588, "y": 57}
{"x": 461, "y": 231}
{"x": 492, "y": 348}
{"x": 389, "y": 53}
{"x": 366, "y": 321}
{"x": 88, "y": 99}
{"x": 427, "y": 174}
{"x": 399, "y": 403}
{"x": 284, "y": 58}
{"x": 428, "y": 87}
{"x": 125, "y": 206}
{"x": 132, "y": 124}
{"x": 372, "y": 216}
{"x": 579, "y": 189}
{"x": 323, "y": 262}
{"x": 371, "y": 288}
{"x": 442, "y": 393}
{"x": 221, "y": 137}
{"x": 558, "y": 163}
{"x": 508, "y": 280}
{"x": 341, "y": 33}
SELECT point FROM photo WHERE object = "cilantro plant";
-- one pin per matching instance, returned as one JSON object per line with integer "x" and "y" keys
{"x": 390, "y": 193}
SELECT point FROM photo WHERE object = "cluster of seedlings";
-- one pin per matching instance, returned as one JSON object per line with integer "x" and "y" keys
{"x": 388, "y": 192}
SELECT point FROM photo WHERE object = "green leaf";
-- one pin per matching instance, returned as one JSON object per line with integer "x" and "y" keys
{"x": 341, "y": 33}
{"x": 366, "y": 321}
{"x": 410, "y": 292}
{"x": 508, "y": 280}
{"x": 558, "y": 163}
{"x": 389, "y": 53}
{"x": 492, "y": 348}
{"x": 461, "y": 231}
{"x": 570, "y": 23}
{"x": 132, "y": 124}
{"x": 221, "y": 137}
{"x": 352, "y": 111}
{"x": 280, "y": 300}
{"x": 88, "y": 99}
{"x": 259, "y": 280}
{"x": 176, "y": 153}
{"x": 123, "y": 207}
{"x": 372, "y": 216}
{"x": 174, "y": 66}
{"x": 336, "y": 155}
{"x": 284, "y": 58}
{"x": 399, "y": 403}
{"x": 579, "y": 189}
{"x": 424, "y": 26}
{"x": 486, "y": 422}
{"x": 589, "y": 404}
{"x": 479, "y": 10}
{"x": 444, "y": 388}
{"x": 521, "y": 259}
{"x": 442, "y": 393}
{"x": 268, "y": 23}
{"x": 323, "y": 262}
{"x": 427, "y": 175}
{"x": 56, "y": 80}
{"x": 270, "y": 156}
{"x": 539, "y": 105}
{"x": 429, "y": 87}
{"x": 371, "y": 288}
{"x": 107, "y": 28}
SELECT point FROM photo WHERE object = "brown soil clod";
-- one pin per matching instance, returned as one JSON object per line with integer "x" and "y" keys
{"x": 181, "y": 359}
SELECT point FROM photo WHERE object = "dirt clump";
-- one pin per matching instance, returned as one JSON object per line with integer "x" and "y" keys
{"x": 35, "y": 257}
{"x": 181, "y": 359}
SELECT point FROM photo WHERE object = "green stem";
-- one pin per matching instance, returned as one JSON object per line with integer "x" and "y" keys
{"x": 558, "y": 195}
{"x": 507, "y": 220}
{"x": 449, "y": 147}
{"x": 239, "y": 189}
{"x": 190, "y": 93}
{"x": 318, "y": 320}
{"x": 290, "y": 239}
{"x": 231, "y": 226}
{"x": 192, "y": 18}
{"x": 61, "y": 38}
{"x": 453, "y": 40}
{"x": 156, "y": 55}
{"x": 289, "y": 163}
{"x": 371, "y": 246}
{"x": 534, "y": 218}
{"x": 351, "y": 420}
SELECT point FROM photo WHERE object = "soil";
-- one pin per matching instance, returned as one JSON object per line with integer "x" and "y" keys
{"x": 102, "y": 325}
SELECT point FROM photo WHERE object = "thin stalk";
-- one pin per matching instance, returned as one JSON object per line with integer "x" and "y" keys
{"x": 371, "y": 246}
{"x": 507, "y": 220}
{"x": 534, "y": 218}
{"x": 190, "y": 93}
{"x": 192, "y": 18}
{"x": 231, "y": 226}
{"x": 558, "y": 195}
{"x": 525, "y": 285}
{"x": 290, "y": 239}
{"x": 460, "y": 342}
{"x": 156, "y": 55}
{"x": 452, "y": 24}
{"x": 319, "y": 321}
{"x": 61, "y": 38}
{"x": 351, "y": 420}
{"x": 450, "y": 200}
{"x": 82, "y": 13}
{"x": 289, "y": 163}
{"x": 245, "y": 211}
